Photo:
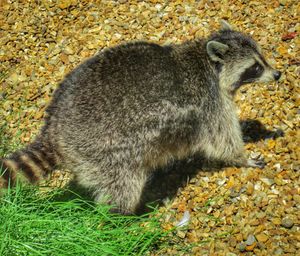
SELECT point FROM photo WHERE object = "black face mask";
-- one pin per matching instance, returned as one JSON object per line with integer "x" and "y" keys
{"x": 251, "y": 73}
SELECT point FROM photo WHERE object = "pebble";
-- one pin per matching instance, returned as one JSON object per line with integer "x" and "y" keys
{"x": 287, "y": 222}
{"x": 267, "y": 181}
{"x": 276, "y": 221}
{"x": 242, "y": 247}
{"x": 181, "y": 234}
{"x": 251, "y": 247}
{"x": 296, "y": 198}
{"x": 283, "y": 2}
{"x": 278, "y": 251}
{"x": 250, "y": 240}
{"x": 68, "y": 50}
{"x": 262, "y": 237}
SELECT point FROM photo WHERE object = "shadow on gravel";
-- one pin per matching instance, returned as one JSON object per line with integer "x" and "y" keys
{"x": 165, "y": 183}
{"x": 254, "y": 130}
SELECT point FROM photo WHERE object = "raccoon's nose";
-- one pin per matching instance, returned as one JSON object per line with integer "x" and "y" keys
{"x": 277, "y": 75}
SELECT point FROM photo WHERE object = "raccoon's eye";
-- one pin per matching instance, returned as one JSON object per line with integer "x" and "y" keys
{"x": 257, "y": 67}
{"x": 252, "y": 73}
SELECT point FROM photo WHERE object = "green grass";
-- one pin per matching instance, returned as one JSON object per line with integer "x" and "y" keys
{"x": 32, "y": 223}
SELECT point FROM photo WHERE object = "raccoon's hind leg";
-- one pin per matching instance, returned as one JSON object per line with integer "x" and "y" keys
{"x": 125, "y": 192}
{"x": 120, "y": 185}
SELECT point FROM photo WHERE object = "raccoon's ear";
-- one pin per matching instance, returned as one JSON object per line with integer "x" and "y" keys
{"x": 225, "y": 25}
{"x": 216, "y": 51}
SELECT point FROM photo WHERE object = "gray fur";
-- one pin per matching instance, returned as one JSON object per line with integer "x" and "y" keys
{"x": 136, "y": 107}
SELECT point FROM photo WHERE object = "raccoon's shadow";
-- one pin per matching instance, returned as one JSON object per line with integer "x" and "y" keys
{"x": 254, "y": 130}
{"x": 165, "y": 183}
{"x": 73, "y": 191}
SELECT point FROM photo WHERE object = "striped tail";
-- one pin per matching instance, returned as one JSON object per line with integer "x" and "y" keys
{"x": 31, "y": 164}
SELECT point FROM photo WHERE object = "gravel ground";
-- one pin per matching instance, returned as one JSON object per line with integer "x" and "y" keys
{"x": 232, "y": 210}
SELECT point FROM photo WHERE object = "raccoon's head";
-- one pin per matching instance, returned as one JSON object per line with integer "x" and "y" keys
{"x": 238, "y": 59}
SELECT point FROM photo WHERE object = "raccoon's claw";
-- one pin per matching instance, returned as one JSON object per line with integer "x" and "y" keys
{"x": 256, "y": 163}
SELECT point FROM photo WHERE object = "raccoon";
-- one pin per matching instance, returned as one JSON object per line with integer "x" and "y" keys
{"x": 136, "y": 107}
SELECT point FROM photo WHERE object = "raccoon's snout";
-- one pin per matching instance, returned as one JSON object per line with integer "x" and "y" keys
{"x": 277, "y": 75}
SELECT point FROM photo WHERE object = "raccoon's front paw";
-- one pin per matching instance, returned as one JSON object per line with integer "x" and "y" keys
{"x": 256, "y": 163}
